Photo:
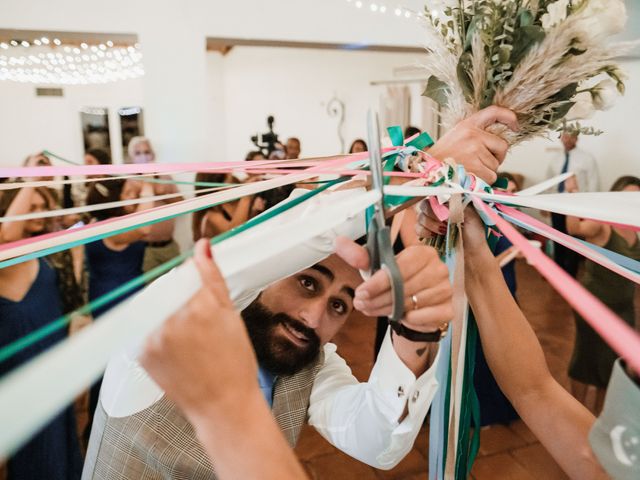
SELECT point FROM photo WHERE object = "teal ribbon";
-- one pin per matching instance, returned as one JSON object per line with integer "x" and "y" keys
{"x": 35, "y": 336}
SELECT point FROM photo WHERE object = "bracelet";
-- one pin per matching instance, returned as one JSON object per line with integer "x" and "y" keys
{"x": 416, "y": 336}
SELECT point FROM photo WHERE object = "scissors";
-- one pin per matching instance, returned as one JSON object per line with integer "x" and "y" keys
{"x": 379, "y": 234}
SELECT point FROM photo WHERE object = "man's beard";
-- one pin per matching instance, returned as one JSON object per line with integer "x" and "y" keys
{"x": 276, "y": 353}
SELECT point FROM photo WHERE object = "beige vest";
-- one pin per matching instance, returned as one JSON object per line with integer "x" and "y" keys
{"x": 159, "y": 443}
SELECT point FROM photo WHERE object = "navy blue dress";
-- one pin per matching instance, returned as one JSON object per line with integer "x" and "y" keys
{"x": 53, "y": 453}
{"x": 494, "y": 406}
{"x": 108, "y": 270}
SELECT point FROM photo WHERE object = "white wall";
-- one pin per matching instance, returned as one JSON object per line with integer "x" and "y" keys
{"x": 29, "y": 123}
{"x": 295, "y": 85}
{"x": 616, "y": 150}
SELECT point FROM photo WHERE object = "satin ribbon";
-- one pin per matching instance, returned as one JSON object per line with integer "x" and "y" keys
{"x": 530, "y": 223}
{"x": 613, "y": 330}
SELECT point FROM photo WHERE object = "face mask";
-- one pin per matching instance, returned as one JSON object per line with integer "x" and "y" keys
{"x": 142, "y": 158}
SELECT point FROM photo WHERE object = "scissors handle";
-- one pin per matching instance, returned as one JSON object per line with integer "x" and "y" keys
{"x": 382, "y": 258}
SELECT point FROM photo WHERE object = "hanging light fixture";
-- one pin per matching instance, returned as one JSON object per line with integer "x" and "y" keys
{"x": 45, "y": 61}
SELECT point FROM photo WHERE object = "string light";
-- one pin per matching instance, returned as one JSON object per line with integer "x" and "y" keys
{"x": 43, "y": 61}
{"x": 375, "y": 6}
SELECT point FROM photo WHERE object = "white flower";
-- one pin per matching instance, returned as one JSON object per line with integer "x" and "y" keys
{"x": 556, "y": 13}
{"x": 602, "y": 19}
{"x": 583, "y": 107}
{"x": 604, "y": 94}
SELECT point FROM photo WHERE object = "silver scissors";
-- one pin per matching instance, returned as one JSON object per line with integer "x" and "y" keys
{"x": 379, "y": 234}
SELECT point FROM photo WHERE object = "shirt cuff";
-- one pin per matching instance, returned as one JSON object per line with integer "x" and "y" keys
{"x": 397, "y": 383}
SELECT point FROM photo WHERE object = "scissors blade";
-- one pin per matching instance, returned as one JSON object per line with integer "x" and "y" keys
{"x": 375, "y": 163}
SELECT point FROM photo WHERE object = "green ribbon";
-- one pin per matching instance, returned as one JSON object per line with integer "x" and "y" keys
{"x": 42, "y": 332}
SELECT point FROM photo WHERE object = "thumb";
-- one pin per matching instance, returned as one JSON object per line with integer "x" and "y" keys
{"x": 352, "y": 253}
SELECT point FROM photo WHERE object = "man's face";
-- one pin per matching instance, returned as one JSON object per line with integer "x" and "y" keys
{"x": 293, "y": 148}
{"x": 569, "y": 141}
{"x": 294, "y": 317}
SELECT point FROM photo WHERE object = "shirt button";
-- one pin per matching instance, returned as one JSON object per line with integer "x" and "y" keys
{"x": 400, "y": 391}
{"x": 416, "y": 394}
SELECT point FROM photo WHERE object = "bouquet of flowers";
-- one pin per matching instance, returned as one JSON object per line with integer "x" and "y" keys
{"x": 547, "y": 60}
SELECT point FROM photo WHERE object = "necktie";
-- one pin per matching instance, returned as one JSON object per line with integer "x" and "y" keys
{"x": 565, "y": 168}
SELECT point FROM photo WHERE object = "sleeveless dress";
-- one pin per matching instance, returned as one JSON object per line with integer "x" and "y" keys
{"x": 494, "y": 405}
{"x": 592, "y": 360}
{"x": 54, "y": 452}
{"x": 108, "y": 270}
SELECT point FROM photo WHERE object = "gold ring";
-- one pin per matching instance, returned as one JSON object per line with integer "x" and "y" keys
{"x": 443, "y": 329}
{"x": 414, "y": 301}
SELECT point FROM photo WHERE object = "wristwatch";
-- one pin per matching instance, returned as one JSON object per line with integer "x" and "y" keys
{"x": 416, "y": 336}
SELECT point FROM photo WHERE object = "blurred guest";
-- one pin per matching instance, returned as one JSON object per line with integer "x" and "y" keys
{"x": 222, "y": 218}
{"x": 30, "y": 300}
{"x": 410, "y": 131}
{"x": 293, "y": 148}
{"x": 38, "y": 160}
{"x": 593, "y": 359}
{"x": 97, "y": 156}
{"x": 116, "y": 260}
{"x": 358, "y": 146}
{"x": 255, "y": 155}
{"x": 161, "y": 246}
{"x": 583, "y": 165}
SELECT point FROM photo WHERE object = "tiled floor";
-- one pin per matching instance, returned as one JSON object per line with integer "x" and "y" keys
{"x": 506, "y": 453}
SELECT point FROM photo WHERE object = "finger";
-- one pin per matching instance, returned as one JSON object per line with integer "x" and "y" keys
{"x": 490, "y": 115}
{"x": 497, "y": 146}
{"x": 429, "y": 318}
{"x": 378, "y": 284}
{"x": 352, "y": 253}
{"x": 210, "y": 275}
{"x": 424, "y": 296}
{"x": 432, "y": 224}
{"x": 485, "y": 173}
{"x": 410, "y": 261}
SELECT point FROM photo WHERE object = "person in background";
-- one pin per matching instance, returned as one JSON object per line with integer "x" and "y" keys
{"x": 255, "y": 155}
{"x": 583, "y": 165}
{"x": 218, "y": 219}
{"x": 592, "y": 360}
{"x": 161, "y": 246}
{"x": 358, "y": 146}
{"x": 97, "y": 156}
{"x": 411, "y": 131}
{"x": 293, "y": 148}
{"x": 116, "y": 260}
{"x": 29, "y": 300}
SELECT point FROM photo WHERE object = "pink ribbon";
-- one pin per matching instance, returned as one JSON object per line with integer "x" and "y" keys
{"x": 570, "y": 242}
{"x": 620, "y": 336}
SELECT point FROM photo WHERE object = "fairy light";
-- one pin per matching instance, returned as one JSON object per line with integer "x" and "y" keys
{"x": 51, "y": 62}
{"x": 377, "y": 7}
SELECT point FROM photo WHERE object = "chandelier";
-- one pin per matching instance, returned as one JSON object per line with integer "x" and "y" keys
{"x": 45, "y": 61}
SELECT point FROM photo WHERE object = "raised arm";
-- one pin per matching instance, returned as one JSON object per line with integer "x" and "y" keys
{"x": 516, "y": 359}
{"x": 21, "y": 204}
{"x": 146, "y": 190}
{"x": 206, "y": 365}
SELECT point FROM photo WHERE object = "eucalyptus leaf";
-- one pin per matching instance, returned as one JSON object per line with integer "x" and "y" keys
{"x": 464, "y": 77}
{"x": 437, "y": 91}
{"x": 525, "y": 39}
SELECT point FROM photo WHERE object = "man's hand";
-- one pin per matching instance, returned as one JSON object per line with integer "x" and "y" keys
{"x": 202, "y": 356}
{"x": 470, "y": 145}
{"x": 425, "y": 278}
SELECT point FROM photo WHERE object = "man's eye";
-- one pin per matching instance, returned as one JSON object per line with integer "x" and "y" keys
{"x": 339, "y": 307}
{"x": 308, "y": 283}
